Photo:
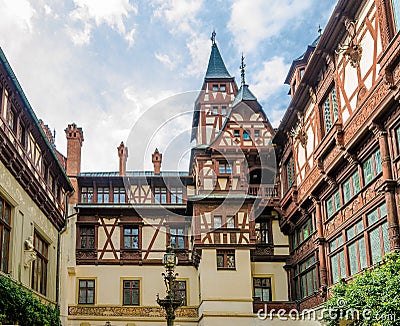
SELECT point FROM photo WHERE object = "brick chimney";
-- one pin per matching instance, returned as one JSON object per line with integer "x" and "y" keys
{"x": 74, "y": 144}
{"x": 156, "y": 158}
{"x": 123, "y": 156}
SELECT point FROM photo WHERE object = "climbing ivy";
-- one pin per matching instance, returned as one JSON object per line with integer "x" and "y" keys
{"x": 370, "y": 299}
{"x": 19, "y": 306}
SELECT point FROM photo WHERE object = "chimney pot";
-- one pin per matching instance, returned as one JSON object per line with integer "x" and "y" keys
{"x": 156, "y": 158}
{"x": 123, "y": 156}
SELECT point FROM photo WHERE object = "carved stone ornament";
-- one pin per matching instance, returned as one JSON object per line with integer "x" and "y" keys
{"x": 298, "y": 131}
{"x": 352, "y": 50}
{"x": 312, "y": 95}
{"x": 30, "y": 256}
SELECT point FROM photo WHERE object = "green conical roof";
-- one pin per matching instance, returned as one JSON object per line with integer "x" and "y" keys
{"x": 216, "y": 66}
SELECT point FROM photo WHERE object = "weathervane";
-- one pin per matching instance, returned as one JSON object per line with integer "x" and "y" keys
{"x": 242, "y": 66}
{"x": 213, "y": 37}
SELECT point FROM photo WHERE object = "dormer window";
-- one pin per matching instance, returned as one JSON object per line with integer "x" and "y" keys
{"x": 246, "y": 135}
{"x": 330, "y": 110}
{"x": 302, "y": 72}
{"x": 222, "y": 88}
{"x": 215, "y": 87}
{"x": 224, "y": 168}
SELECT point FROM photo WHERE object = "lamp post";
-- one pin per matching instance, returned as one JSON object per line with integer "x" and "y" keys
{"x": 169, "y": 303}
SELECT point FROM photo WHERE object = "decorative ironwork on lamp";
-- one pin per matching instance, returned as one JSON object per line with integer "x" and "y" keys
{"x": 170, "y": 303}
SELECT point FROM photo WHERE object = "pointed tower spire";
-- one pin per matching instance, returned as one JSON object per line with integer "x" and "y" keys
{"x": 213, "y": 34}
{"x": 244, "y": 94}
{"x": 242, "y": 72}
{"x": 216, "y": 66}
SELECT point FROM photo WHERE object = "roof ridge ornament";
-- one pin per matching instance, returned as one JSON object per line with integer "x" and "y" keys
{"x": 242, "y": 71}
{"x": 213, "y": 34}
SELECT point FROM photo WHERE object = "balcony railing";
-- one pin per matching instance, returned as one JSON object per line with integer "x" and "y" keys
{"x": 264, "y": 191}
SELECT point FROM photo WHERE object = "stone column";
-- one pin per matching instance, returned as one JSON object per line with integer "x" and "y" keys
{"x": 320, "y": 243}
{"x": 389, "y": 188}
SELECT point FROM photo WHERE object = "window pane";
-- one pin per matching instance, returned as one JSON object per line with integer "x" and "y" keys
{"x": 367, "y": 169}
{"x": 217, "y": 222}
{"x": 363, "y": 254}
{"x": 258, "y": 293}
{"x": 127, "y": 296}
{"x": 135, "y": 297}
{"x": 230, "y": 261}
{"x": 220, "y": 261}
{"x": 342, "y": 264}
{"x": 246, "y": 135}
{"x": 356, "y": 183}
{"x": 372, "y": 217}
{"x": 335, "y": 105}
{"x": 346, "y": 191}
{"x": 375, "y": 243}
{"x": 350, "y": 233}
{"x": 386, "y": 243}
{"x": 327, "y": 115}
{"x": 181, "y": 243}
{"x": 337, "y": 200}
{"x": 90, "y": 296}
{"x": 378, "y": 161}
{"x": 82, "y": 296}
{"x": 360, "y": 226}
{"x": 335, "y": 268}
{"x": 4, "y": 251}
{"x": 353, "y": 259}
{"x": 329, "y": 207}
{"x": 230, "y": 222}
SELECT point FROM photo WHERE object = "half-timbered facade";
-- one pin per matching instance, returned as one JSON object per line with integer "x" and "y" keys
{"x": 338, "y": 150}
{"x": 219, "y": 216}
{"x": 245, "y": 235}
{"x": 33, "y": 192}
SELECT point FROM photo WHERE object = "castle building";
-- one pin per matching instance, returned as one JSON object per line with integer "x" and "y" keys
{"x": 263, "y": 219}
{"x": 338, "y": 147}
{"x": 219, "y": 217}
{"x": 33, "y": 193}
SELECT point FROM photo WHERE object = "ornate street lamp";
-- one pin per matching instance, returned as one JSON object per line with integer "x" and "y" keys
{"x": 169, "y": 303}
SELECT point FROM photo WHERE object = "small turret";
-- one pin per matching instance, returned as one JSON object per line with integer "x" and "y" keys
{"x": 156, "y": 158}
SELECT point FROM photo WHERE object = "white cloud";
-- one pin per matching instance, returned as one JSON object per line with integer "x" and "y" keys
{"x": 270, "y": 78}
{"x": 111, "y": 13}
{"x": 80, "y": 37}
{"x": 20, "y": 12}
{"x": 166, "y": 60}
{"x": 129, "y": 37}
{"x": 199, "y": 50}
{"x": 254, "y": 21}
{"x": 181, "y": 15}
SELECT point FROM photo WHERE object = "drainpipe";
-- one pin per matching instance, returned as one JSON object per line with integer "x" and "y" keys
{"x": 64, "y": 228}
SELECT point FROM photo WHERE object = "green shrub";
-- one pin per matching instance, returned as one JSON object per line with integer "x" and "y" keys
{"x": 370, "y": 299}
{"x": 19, "y": 306}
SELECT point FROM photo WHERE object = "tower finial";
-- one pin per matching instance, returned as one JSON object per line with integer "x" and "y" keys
{"x": 242, "y": 72}
{"x": 213, "y": 37}
{"x": 319, "y": 30}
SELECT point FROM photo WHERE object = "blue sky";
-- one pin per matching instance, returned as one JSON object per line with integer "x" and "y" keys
{"x": 102, "y": 63}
